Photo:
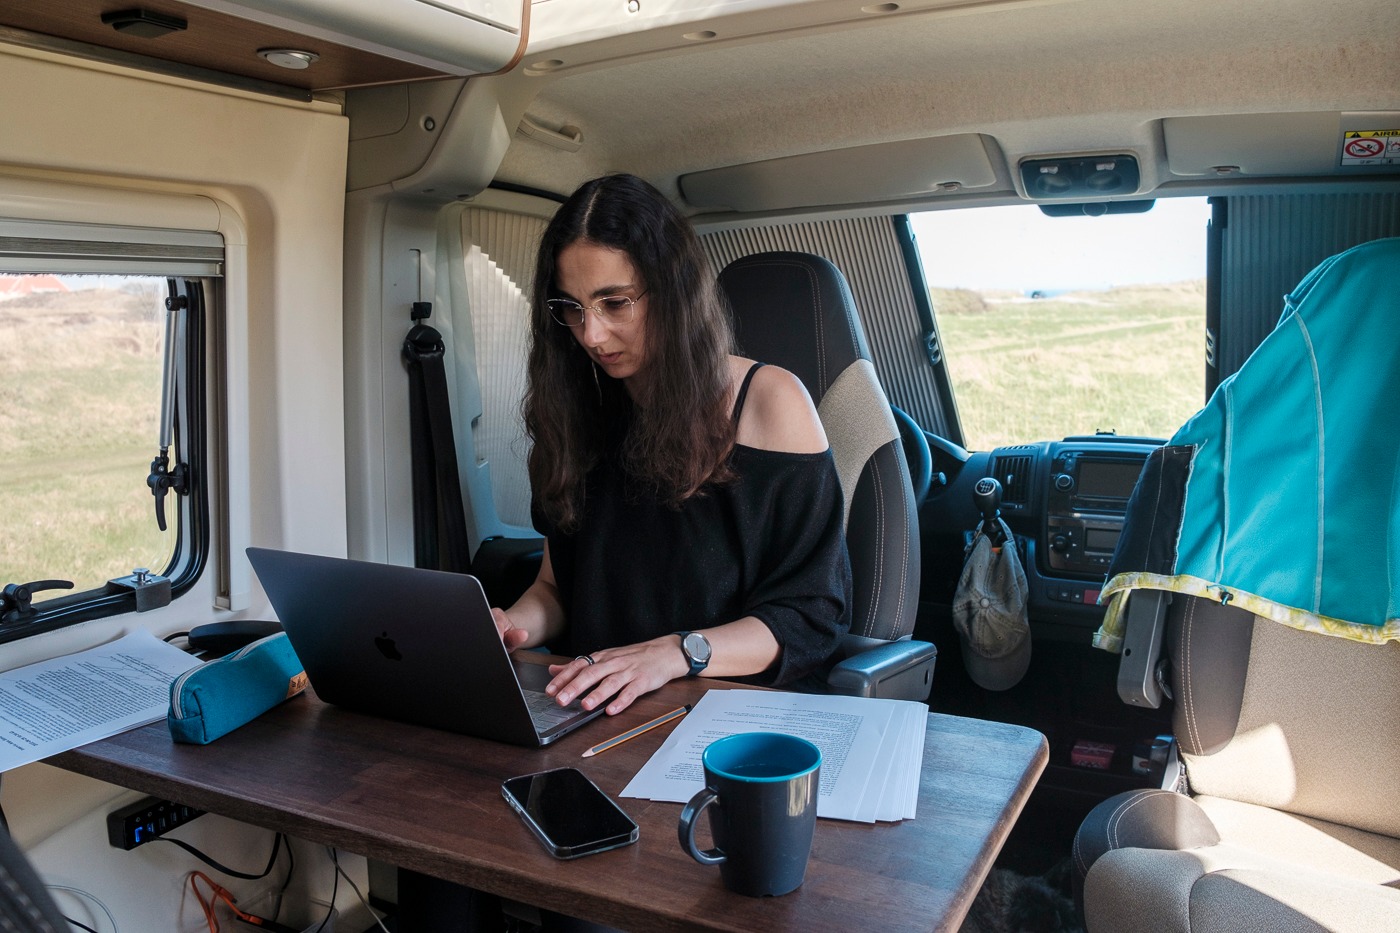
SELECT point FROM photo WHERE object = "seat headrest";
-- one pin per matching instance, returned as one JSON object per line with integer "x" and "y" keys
{"x": 771, "y": 294}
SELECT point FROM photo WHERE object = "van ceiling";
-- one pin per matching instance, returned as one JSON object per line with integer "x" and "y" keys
{"x": 1032, "y": 79}
{"x": 903, "y": 104}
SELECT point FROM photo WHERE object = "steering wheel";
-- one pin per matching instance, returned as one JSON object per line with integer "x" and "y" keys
{"x": 916, "y": 453}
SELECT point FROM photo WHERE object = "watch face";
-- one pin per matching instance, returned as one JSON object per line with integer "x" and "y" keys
{"x": 697, "y": 646}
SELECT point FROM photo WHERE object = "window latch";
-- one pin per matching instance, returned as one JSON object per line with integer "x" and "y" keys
{"x": 162, "y": 479}
{"x": 16, "y": 598}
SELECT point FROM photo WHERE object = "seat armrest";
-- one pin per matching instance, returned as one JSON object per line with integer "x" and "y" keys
{"x": 1141, "y": 675}
{"x": 852, "y": 644}
{"x": 892, "y": 670}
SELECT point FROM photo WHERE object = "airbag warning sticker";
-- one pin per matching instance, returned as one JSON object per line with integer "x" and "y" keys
{"x": 1371, "y": 147}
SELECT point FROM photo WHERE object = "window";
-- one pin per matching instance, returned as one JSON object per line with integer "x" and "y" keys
{"x": 1053, "y": 326}
{"x": 101, "y": 424}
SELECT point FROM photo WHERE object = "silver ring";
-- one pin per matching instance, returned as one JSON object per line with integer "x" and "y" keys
{"x": 585, "y": 657}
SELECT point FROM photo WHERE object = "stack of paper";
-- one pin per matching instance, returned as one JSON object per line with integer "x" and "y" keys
{"x": 52, "y": 706}
{"x": 872, "y": 750}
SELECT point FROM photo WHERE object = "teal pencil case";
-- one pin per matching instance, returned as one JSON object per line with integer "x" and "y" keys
{"x": 217, "y": 697}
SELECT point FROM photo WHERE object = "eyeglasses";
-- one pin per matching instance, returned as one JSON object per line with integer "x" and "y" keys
{"x": 614, "y": 309}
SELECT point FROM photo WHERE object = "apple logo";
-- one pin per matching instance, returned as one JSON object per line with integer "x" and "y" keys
{"x": 386, "y": 647}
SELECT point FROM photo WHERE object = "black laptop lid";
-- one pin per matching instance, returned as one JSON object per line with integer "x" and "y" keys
{"x": 400, "y": 642}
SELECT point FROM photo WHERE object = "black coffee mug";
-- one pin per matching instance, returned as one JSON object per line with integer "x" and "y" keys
{"x": 761, "y": 790}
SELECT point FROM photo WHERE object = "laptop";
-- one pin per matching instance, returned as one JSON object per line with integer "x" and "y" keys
{"x": 414, "y": 645}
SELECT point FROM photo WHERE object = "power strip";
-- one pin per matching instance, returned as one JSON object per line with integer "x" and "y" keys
{"x": 146, "y": 820}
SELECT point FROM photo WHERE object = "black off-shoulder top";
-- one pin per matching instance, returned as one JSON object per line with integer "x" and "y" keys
{"x": 770, "y": 544}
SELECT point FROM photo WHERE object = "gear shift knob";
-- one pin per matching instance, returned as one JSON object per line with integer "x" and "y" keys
{"x": 986, "y": 496}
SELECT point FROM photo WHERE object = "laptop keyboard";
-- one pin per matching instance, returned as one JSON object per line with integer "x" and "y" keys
{"x": 544, "y": 711}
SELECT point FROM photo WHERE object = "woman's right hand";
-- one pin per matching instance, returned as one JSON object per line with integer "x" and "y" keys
{"x": 511, "y": 636}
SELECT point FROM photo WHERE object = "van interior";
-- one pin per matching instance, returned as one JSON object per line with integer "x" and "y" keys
{"x": 1064, "y": 223}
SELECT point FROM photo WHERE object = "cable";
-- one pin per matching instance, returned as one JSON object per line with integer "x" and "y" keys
{"x": 92, "y": 897}
{"x": 286, "y": 882}
{"x": 218, "y": 893}
{"x": 335, "y": 889}
{"x": 354, "y": 887}
{"x": 272, "y": 859}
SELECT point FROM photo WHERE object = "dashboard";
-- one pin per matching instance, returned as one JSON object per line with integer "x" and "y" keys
{"x": 1064, "y": 501}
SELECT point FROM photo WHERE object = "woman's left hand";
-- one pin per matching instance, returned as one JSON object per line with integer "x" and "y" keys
{"x": 618, "y": 676}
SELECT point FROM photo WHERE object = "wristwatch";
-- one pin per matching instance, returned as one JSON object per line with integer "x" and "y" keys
{"x": 696, "y": 648}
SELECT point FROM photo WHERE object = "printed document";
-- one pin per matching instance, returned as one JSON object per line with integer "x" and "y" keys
{"x": 872, "y": 750}
{"x": 57, "y": 705}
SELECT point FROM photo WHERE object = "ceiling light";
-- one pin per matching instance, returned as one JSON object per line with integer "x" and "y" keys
{"x": 294, "y": 59}
{"x": 1078, "y": 176}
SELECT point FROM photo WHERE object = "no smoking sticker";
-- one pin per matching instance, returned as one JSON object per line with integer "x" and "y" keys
{"x": 1371, "y": 147}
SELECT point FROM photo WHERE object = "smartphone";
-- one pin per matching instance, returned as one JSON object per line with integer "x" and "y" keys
{"x": 568, "y": 812}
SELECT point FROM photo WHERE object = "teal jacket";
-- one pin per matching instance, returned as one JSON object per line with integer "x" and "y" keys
{"x": 1282, "y": 495}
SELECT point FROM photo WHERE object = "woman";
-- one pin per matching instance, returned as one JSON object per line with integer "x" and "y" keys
{"x": 688, "y": 497}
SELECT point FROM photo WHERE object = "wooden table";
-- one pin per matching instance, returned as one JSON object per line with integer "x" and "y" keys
{"x": 430, "y": 801}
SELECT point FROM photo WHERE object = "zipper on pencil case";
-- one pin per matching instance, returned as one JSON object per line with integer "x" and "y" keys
{"x": 177, "y": 687}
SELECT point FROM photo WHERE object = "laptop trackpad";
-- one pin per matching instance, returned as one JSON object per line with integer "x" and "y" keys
{"x": 548, "y": 716}
{"x": 531, "y": 676}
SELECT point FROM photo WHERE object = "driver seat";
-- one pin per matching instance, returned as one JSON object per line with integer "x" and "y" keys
{"x": 795, "y": 310}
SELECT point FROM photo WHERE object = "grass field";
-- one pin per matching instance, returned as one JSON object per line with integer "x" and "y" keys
{"x": 79, "y": 401}
{"x": 80, "y": 393}
{"x": 1129, "y": 360}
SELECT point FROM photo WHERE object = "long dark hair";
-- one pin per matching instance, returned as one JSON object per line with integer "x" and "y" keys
{"x": 681, "y": 432}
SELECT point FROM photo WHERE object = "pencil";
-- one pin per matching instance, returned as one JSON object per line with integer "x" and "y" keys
{"x": 633, "y": 733}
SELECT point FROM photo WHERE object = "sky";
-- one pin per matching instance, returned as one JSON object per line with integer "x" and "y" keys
{"x": 1022, "y": 249}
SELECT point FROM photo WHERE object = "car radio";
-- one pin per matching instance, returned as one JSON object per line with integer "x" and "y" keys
{"x": 1089, "y": 489}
